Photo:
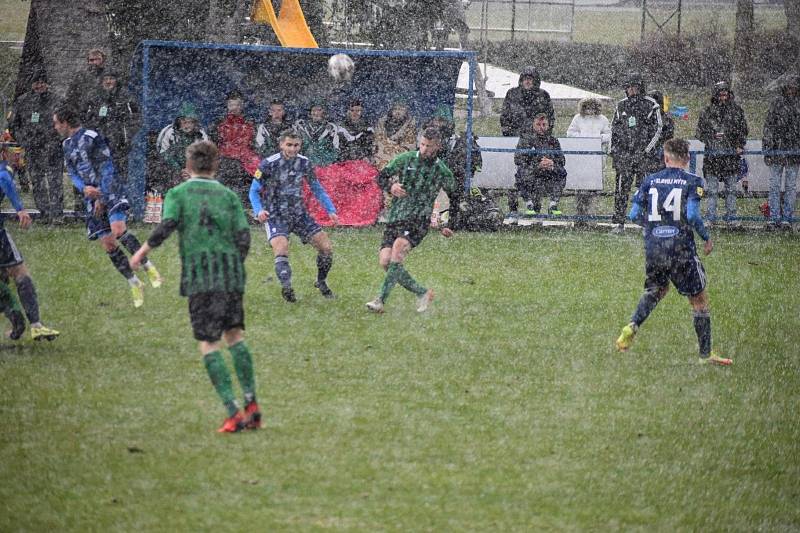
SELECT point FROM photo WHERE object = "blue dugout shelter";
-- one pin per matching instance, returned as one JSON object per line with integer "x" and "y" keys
{"x": 164, "y": 74}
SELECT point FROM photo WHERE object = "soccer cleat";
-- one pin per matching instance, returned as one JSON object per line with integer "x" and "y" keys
{"x": 424, "y": 301}
{"x": 715, "y": 359}
{"x": 232, "y": 424}
{"x": 625, "y": 339}
{"x": 324, "y": 289}
{"x": 17, "y": 325}
{"x": 376, "y": 305}
{"x": 155, "y": 277}
{"x": 554, "y": 211}
{"x": 43, "y": 333}
{"x": 530, "y": 213}
{"x": 138, "y": 294}
{"x": 252, "y": 418}
{"x": 288, "y": 294}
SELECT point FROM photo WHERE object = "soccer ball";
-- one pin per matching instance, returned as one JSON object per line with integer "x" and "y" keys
{"x": 341, "y": 67}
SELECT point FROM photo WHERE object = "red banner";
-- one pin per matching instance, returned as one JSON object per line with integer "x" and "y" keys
{"x": 353, "y": 191}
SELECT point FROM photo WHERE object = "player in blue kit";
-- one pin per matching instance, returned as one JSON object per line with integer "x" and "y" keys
{"x": 90, "y": 167}
{"x": 276, "y": 196}
{"x": 667, "y": 205}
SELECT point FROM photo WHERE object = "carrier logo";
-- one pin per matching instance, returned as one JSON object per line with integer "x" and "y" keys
{"x": 665, "y": 232}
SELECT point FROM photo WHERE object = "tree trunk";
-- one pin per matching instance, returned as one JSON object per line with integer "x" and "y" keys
{"x": 743, "y": 46}
{"x": 792, "y": 9}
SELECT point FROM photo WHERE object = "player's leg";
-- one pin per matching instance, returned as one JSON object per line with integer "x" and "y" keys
{"x": 280, "y": 249}
{"x": 656, "y": 286}
{"x": 123, "y": 266}
{"x": 322, "y": 243}
{"x": 120, "y": 230}
{"x": 30, "y": 302}
{"x": 9, "y": 306}
{"x": 702, "y": 327}
{"x": 400, "y": 250}
{"x": 243, "y": 365}
{"x": 384, "y": 257}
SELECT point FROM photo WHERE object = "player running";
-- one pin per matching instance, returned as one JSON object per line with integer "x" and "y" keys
{"x": 668, "y": 206}
{"x": 414, "y": 180}
{"x": 89, "y": 165}
{"x": 214, "y": 241}
{"x": 12, "y": 262}
{"x": 276, "y": 196}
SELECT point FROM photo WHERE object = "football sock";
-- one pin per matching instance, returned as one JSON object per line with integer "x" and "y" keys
{"x": 409, "y": 283}
{"x": 221, "y": 379}
{"x": 243, "y": 364}
{"x": 120, "y": 262}
{"x": 27, "y": 295}
{"x": 389, "y": 281}
{"x": 702, "y": 326}
{"x": 647, "y": 303}
{"x": 283, "y": 271}
{"x": 131, "y": 243}
{"x": 324, "y": 264}
{"x": 8, "y": 302}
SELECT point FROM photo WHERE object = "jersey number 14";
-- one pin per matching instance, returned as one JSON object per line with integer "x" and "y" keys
{"x": 671, "y": 203}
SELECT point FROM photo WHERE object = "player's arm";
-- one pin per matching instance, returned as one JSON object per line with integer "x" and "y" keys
{"x": 637, "y": 211}
{"x": 102, "y": 154}
{"x": 696, "y": 219}
{"x": 241, "y": 234}
{"x": 7, "y": 184}
{"x": 255, "y": 197}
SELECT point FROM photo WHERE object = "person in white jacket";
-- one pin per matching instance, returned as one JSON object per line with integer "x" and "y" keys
{"x": 589, "y": 122}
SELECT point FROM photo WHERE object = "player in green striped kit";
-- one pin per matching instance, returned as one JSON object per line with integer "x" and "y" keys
{"x": 414, "y": 180}
{"x": 214, "y": 241}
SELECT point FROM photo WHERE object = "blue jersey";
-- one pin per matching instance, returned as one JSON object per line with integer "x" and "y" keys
{"x": 278, "y": 187}
{"x": 667, "y": 205}
{"x": 8, "y": 189}
{"x": 88, "y": 161}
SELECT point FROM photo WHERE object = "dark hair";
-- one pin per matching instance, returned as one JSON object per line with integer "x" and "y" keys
{"x": 276, "y": 101}
{"x": 202, "y": 156}
{"x": 288, "y": 134}
{"x": 68, "y": 114}
{"x": 677, "y": 148}
{"x": 354, "y": 102}
{"x": 432, "y": 134}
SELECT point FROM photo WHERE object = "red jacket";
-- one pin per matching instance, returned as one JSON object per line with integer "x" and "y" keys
{"x": 234, "y": 137}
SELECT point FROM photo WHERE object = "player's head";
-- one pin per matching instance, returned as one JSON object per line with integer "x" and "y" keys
{"x": 430, "y": 143}
{"x": 65, "y": 119}
{"x": 289, "y": 143}
{"x": 13, "y": 154}
{"x": 541, "y": 123}
{"x": 202, "y": 158}
{"x": 676, "y": 153}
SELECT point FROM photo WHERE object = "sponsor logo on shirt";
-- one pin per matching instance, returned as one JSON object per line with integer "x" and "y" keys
{"x": 665, "y": 232}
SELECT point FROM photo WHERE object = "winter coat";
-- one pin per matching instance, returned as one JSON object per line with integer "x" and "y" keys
{"x": 782, "y": 129}
{"x": 267, "y": 135}
{"x": 234, "y": 135}
{"x": 174, "y": 142}
{"x": 83, "y": 86}
{"x": 31, "y": 123}
{"x": 528, "y": 164}
{"x": 727, "y": 119}
{"x": 320, "y": 141}
{"x": 388, "y": 146}
{"x": 590, "y": 126}
{"x": 636, "y": 131}
{"x": 521, "y": 106}
{"x": 114, "y": 115}
{"x": 356, "y": 140}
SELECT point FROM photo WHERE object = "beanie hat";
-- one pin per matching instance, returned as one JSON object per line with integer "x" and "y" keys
{"x": 443, "y": 111}
{"x": 188, "y": 110}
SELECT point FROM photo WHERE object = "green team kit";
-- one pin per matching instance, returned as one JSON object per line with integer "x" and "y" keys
{"x": 421, "y": 180}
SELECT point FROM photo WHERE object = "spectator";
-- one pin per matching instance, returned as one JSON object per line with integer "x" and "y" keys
{"x": 172, "y": 142}
{"x": 235, "y": 136}
{"x": 395, "y": 133}
{"x": 267, "y": 133}
{"x": 112, "y": 112}
{"x": 320, "y": 138}
{"x": 521, "y": 105}
{"x": 635, "y": 133}
{"x": 723, "y": 129}
{"x": 86, "y": 81}
{"x": 590, "y": 122}
{"x": 31, "y": 126}
{"x": 453, "y": 152}
{"x": 540, "y": 174}
{"x": 356, "y": 136}
{"x": 667, "y": 133}
{"x": 782, "y": 132}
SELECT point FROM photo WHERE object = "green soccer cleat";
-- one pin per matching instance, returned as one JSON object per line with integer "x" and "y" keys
{"x": 43, "y": 333}
{"x": 530, "y": 213}
{"x": 715, "y": 359}
{"x": 155, "y": 277}
{"x": 625, "y": 339}
{"x": 137, "y": 292}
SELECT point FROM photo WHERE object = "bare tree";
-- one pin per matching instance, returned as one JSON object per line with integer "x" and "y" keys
{"x": 743, "y": 44}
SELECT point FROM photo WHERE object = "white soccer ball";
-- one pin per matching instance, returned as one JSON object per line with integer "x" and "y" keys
{"x": 341, "y": 67}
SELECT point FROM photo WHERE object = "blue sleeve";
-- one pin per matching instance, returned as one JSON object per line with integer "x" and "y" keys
{"x": 695, "y": 218}
{"x": 75, "y": 177}
{"x": 636, "y": 214}
{"x": 102, "y": 154}
{"x": 255, "y": 196}
{"x": 320, "y": 193}
{"x": 7, "y": 184}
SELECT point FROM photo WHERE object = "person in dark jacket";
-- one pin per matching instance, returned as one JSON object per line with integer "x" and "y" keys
{"x": 540, "y": 174}
{"x": 782, "y": 132}
{"x": 520, "y": 106}
{"x": 356, "y": 136}
{"x": 667, "y": 132}
{"x": 112, "y": 112}
{"x": 723, "y": 129}
{"x": 85, "y": 82}
{"x": 172, "y": 142}
{"x": 31, "y": 126}
{"x": 268, "y": 132}
{"x": 635, "y": 134}
{"x": 454, "y": 154}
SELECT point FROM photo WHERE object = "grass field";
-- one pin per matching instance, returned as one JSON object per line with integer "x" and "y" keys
{"x": 503, "y": 409}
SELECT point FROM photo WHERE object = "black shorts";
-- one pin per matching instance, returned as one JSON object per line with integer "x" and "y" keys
{"x": 411, "y": 230}
{"x": 686, "y": 273}
{"x": 213, "y": 313}
{"x": 9, "y": 255}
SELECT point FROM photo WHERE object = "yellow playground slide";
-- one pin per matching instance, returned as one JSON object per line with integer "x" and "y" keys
{"x": 289, "y": 25}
